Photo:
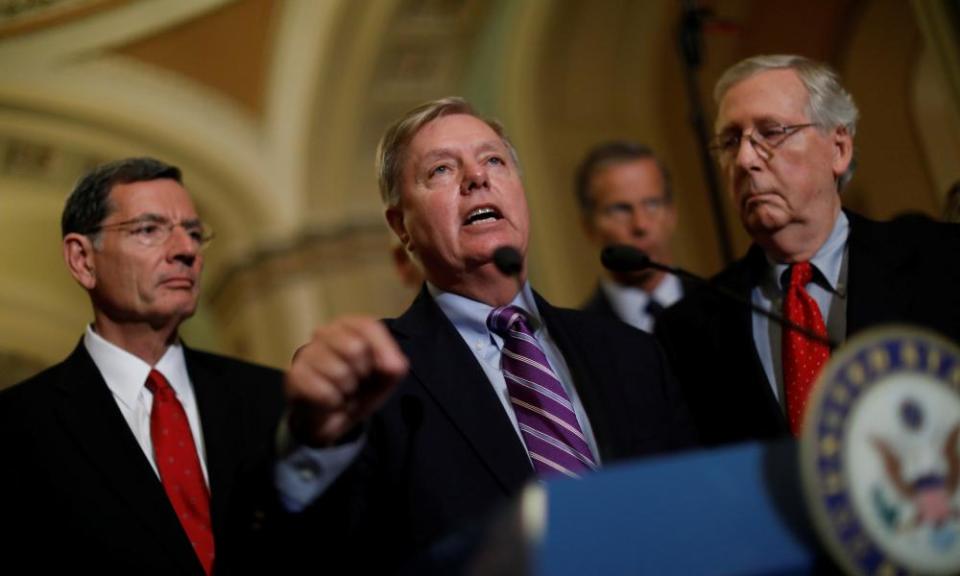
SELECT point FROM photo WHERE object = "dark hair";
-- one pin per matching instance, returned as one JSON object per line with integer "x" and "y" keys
{"x": 608, "y": 154}
{"x": 89, "y": 203}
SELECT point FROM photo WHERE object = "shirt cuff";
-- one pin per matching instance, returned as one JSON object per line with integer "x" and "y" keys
{"x": 302, "y": 474}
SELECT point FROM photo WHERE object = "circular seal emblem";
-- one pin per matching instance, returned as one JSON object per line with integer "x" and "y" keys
{"x": 880, "y": 453}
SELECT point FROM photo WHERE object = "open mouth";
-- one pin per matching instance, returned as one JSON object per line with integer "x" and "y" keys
{"x": 484, "y": 214}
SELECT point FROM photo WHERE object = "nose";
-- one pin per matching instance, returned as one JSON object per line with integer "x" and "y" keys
{"x": 641, "y": 220}
{"x": 474, "y": 177}
{"x": 747, "y": 153}
{"x": 752, "y": 154}
{"x": 182, "y": 246}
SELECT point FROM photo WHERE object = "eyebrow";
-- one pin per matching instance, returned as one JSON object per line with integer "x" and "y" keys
{"x": 436, "y": 154}
{"x": 485, "y": 146}
{"x": 760, "y": 121}
{"x": 160, "y": 219}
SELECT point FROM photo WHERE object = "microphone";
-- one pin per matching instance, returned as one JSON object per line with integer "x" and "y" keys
{"x": 508, "y": 260}
{"x": 623, "y": 258}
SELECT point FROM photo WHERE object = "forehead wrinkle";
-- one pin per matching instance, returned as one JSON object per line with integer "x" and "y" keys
{"x": 436, "y": 154}
{"x": 451, "y": 151}
{"x": 161, "y": 219}
{"x": 491, "y": 146}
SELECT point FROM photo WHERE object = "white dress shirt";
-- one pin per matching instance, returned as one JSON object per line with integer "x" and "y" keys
{"x": 126, "y": 377}
{"x": 630, "y": 303}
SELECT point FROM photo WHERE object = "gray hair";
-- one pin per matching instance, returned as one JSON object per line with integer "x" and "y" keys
{"x": 392, "y": 149}
{"x": 829, "y": 104}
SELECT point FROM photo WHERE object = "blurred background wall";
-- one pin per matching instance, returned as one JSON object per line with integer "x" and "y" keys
{"x": 273, "y": 109}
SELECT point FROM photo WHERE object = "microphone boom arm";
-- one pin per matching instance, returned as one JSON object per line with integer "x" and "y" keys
{"x": 629, "y": 259}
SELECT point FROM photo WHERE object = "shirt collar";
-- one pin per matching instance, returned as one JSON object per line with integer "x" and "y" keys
{"x": 126, "y": 374}
{"x": 827, "y": 261}
{"x": 469, "y": 317}
{"x": 667, "y": 292}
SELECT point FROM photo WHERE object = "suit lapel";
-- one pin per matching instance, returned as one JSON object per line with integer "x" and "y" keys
{"x": 732, "y": 332}
{"x": 583, "y": 379}
{"x": 441, "y": 362}
{"x": 89, "y": 412}
{"x": 876, "y": 275}
{"x": 221, "y": 421}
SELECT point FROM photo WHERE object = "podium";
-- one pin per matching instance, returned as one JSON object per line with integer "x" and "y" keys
{"x": 736, "y": 510}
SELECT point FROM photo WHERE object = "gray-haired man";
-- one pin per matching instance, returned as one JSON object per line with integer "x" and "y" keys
{"x": 785, "y": 129}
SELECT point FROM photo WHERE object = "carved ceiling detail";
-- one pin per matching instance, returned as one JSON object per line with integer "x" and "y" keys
{"x": 22, "y": 16}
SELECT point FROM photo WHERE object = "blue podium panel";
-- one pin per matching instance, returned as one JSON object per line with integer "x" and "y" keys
{"x": 713, "y": 512}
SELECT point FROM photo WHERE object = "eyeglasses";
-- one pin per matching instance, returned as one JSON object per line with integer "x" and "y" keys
{"x": 764, "y": 140}
{"x": 155, "y": 230}
{"x": 652, "y": 207}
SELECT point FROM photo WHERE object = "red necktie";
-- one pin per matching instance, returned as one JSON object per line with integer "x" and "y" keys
{"x": 179, "y": 467}
{"x": 803, "y": 357}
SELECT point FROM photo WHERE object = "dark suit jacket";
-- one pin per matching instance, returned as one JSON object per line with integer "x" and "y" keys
{"x": 904, "y": 271}
{"x": 79, "y": 495}
{"x": 442, "y": 451}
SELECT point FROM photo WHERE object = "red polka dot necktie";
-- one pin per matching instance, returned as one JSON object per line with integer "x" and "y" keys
{"x": 803, "y": 357}
{"x": 179, "y": 467}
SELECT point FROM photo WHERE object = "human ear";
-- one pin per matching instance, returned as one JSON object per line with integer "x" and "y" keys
{"x": 842, "y": 150}
{"x": 396, "y": 222}
{"x": 78, "y": 255}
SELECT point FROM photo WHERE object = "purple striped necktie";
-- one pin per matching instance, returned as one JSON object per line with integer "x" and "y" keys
{"x": 548, "y": 424}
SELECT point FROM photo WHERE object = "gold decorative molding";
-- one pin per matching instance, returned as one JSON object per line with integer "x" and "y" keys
{"x": 25, "y": 16}
{"x": 43, "y": 160}
{"x": 316, "y": 252}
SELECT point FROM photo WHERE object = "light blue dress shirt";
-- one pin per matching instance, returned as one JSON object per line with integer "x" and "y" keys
{"x": 826, "y": 288}
{"x": 469, "y": 317}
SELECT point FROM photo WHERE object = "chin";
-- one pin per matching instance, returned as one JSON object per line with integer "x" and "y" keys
{"x": 764, "y": 221}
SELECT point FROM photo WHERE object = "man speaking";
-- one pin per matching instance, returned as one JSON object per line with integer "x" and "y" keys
{"x": 484, "y": 384}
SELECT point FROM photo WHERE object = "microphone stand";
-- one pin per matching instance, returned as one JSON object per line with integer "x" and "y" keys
{"x": 691, "y": 51}
{"x": 629, "y": 259}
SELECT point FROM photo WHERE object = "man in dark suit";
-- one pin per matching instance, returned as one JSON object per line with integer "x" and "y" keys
{"x": 785, "y": 144}
{"x": 455, "y": 438}
{"x": 136, "y": 454}
{"x": 625, "y": 197}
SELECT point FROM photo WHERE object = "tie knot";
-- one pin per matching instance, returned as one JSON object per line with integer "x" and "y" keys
{"x": 158, "y": 385}
{"x": 801, "y": 274}
{"x": 654, "y": 308}
{"x": 502, "y": 319}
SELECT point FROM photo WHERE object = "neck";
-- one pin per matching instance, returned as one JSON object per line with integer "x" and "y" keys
{"x": 484, "y": 284}
{"x": 147, "y": 342}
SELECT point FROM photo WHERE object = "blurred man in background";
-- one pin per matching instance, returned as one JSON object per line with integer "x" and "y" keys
{"x": 625, "y": 197}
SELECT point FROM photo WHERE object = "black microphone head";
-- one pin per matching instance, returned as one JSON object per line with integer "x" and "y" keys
{"x": 508, "y": 260}
{"x": 623, "y": 258}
